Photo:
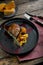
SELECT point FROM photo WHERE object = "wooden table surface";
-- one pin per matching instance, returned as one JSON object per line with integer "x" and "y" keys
{"x": 34, "y": 7}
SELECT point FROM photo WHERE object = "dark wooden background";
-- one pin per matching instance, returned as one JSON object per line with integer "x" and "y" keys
{"x": 31, "y": 6}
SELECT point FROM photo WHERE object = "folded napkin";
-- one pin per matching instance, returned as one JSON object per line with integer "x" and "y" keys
{"x": 38, "y": 50}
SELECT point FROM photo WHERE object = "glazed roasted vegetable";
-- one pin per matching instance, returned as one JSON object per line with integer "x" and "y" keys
{"x": 2, "y": 6}
{"x": 8, "y": 8}
{"x": 23, "y": 30}
{"x": 22, "y": 38}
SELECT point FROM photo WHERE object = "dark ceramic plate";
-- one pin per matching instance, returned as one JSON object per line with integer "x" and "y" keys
{"x": 6, "y": 42}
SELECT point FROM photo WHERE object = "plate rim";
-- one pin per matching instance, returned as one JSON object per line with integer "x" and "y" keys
{"x": 23, "y": 19}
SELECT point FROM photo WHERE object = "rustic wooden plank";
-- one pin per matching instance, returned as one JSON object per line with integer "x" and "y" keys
{"x": 21, "y": 1}
{"x": 30, "y": 7}
{"x": 18, "y": 2}
{"x": 14, "y": 61}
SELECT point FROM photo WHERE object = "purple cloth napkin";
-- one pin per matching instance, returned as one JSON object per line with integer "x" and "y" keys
{"x": 38, "y": 50}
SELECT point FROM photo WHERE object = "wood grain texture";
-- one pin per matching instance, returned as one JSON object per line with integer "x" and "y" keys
{"x": 30, "y": 7}
{"x": 18, "y": 1}
{"x": 34, "y": 7}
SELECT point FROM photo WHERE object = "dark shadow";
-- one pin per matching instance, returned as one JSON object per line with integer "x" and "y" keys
{"x": 32, "y": 0}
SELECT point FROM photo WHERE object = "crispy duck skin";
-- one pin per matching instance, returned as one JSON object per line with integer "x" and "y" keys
{"x": 14, "y": 29}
